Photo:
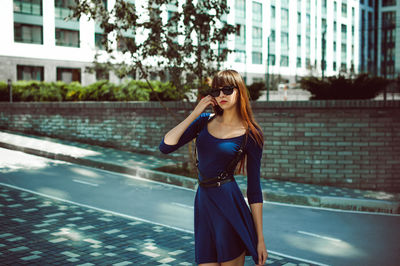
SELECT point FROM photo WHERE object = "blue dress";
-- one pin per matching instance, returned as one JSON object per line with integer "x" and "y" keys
{"x": 223, "y": 223}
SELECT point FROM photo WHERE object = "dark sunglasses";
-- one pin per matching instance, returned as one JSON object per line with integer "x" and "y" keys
{"x": 227, "y": 90}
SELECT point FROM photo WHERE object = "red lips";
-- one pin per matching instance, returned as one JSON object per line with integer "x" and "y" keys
{"x": 223, "y": 102}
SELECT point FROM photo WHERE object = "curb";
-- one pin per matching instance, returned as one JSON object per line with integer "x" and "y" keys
{"x": 369, "y": 205}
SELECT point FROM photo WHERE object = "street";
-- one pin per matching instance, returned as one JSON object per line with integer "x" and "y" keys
{"x": 310, "y": 234}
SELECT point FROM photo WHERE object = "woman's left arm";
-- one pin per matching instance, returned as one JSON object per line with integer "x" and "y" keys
{"x": 254, "y": 195}
{"x": 256, "y": 211}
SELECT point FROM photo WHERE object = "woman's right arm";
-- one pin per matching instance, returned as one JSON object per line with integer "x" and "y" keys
{"x": 186, "y": 130}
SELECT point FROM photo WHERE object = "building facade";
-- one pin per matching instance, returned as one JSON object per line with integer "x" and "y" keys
{"x": 388, "y": 36}
{"x": 290, "y": 38}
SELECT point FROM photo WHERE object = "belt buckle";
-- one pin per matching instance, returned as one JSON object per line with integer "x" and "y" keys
{"x": 223, "y": 175}
{"x": 218, "y": 184}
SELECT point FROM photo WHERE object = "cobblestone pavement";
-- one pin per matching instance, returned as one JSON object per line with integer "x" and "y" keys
{"x": 36, "y": 230}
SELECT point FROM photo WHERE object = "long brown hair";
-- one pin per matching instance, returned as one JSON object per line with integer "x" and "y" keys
{"x": 233, "y": 78}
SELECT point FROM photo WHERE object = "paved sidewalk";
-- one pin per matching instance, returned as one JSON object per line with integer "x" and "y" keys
{"x": 36, "y": 230}
{"x": 144, "y": 165}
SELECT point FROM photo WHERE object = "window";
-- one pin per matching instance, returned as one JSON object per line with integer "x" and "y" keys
{"x": 28, "y": 33}
{"x": 240, "y": 56}
{"x": 285, "y": 3}
{"x": 102, "y": 74}
{"x": 99, "y": 40}
{"x": 389, "y": 19}
{"x": 308, "y": 23}
{"x": 388, "y": 2}
{"x": 335, "y": 26}
{"x": 240, "y": 34}
{"x": 124, "y": 42}
{"x": 30, "y": 73}
{"x": 284, "y": 17}
{"x": 344, "y": 32}
{"x": 257, "y": 36}
{"x": 174, "y": 24}
{"x": 271, "y": 59}
{"x": 284, "y": 42}
{"x": 323, "y": 25}
{"x": 344, "y": 10}
{"x": 104, "y": 2}
{"x": 257, "y": 12}
{"x": 240, "y": 8}
{"x": 68, "y": 38}
{"x": 298, "y": 17}
{"x": 343, "y": 67}
{"x": 371, "y": 3}
{"x": 273, "y": 14}
{"x": 257, "y": 58}
{"x": 370, "y": 21}
{"x": 298, "y": 62}
{"x": 334, "y": 7}
{"x": 298, "y": 40}
{"x": 308, "y": 62}
{"x": 308, "y": 45}
{"x": 31, "y": 7}
{"x": 344, "y": 52}
{"x": 308, "y": 5}
{"x": 284, "y": 60}
{"x": 334, "y": 66}
{"x": 62, "y": 8}
{"x": 334, "y": 46}
{"x": 272, "y": 37}
{"x": 68, "y": 74}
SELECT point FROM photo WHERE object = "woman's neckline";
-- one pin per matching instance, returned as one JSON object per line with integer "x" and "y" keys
{"x": 208, "y": 132}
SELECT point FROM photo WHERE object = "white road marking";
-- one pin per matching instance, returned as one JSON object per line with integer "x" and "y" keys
{"x": 182, "y": 205}
{"x": 320, "y": 236}
{"x": 143, "y": 220}
{"x": 84, "y": 182}
{"x": 329, "y": 209}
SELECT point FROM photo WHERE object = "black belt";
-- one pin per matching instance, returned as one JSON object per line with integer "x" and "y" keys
{"x": 220, "y": 181}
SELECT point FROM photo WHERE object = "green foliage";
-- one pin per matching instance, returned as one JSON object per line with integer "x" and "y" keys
{"x": 255, "y": 90}
{"x": 166, "y": 91}
{"x": 160, "y": 51}
{"x": 103, "y": 90}
{"x": 4, "y": 94}
{"x": 339, "y": 87}
{"x": 37, "y": 91}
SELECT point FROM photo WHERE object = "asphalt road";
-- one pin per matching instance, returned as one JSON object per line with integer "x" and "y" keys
{"x": 318, "y": 235}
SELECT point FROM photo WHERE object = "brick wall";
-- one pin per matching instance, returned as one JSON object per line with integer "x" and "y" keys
{"x": 348, "y": 143}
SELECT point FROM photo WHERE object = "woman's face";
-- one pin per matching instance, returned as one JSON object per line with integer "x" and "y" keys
{"x": 227, "y": 101}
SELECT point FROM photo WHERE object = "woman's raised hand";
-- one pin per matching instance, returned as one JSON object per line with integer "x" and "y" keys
{"x": 203, "y": 103}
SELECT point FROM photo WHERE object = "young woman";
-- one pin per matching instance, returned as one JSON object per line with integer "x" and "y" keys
{"x": 225, "y": 228}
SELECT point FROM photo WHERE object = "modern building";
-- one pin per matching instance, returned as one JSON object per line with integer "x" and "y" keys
{"x": 388, "y": 36}
{"x": 290, "y": 38}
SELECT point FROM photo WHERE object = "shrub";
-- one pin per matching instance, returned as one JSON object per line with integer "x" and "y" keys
{"x": 133, "y": 91}
{"x": 362, "y": 87}
{"x": 102, "y": 90}
{"x": 255, "y": 90}
{"x": 166, "y": 91}
{"x": 4, "y": 94}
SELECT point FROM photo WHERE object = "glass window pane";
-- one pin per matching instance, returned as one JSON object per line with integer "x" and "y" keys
{"x": 257, "y": 12}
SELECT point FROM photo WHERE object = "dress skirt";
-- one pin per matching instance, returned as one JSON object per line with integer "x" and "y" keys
{"x": 223, "y": 224}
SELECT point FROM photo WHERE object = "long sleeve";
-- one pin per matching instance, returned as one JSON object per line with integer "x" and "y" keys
{"x": 187, "y": 136}
{"x": 254, "y": 154}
